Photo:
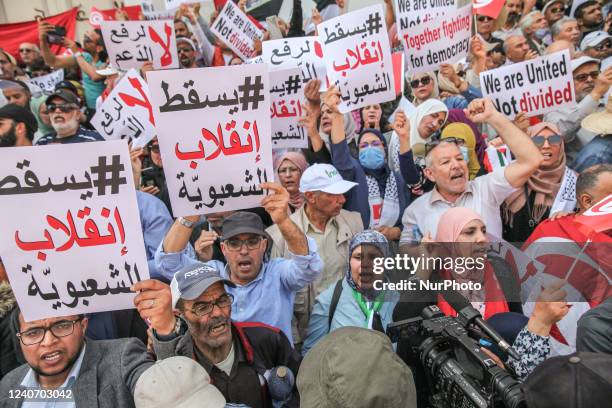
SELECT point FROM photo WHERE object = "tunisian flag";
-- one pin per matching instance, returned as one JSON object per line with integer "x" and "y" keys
{"x": 96, "y": 15}
{"x": 490, "y": 8}
{"x": 598, "y": 218}
{"x": 16, "y": 33}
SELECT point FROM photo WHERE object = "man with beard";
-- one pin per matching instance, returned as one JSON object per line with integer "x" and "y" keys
{"x": 64, "y": 113}
{"x": 566, "y": 29}
{"x": 590, "y": 85}
{"x": 16, "y": 92}
{"x": 589, "y": 16}
{"x": 235, "y": 355}
{"x": 515, "y": 11}
{"x": 17, "y": 126}
{"x": 186, "y": 51}
{"x": 59, "y": 357}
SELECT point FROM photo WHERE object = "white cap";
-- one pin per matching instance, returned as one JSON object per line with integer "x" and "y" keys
{"x": 593, "y": 39}
{"x": 324, "y": 177}
{"x": 107, "y": 71}
{"x": 578, "y": 62}
{"x": 177, "y": 382}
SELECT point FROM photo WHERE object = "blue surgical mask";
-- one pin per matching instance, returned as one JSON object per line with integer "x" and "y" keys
{"x": 542, "y": 33}
{"x": 372, "y": 158}
{"x": 465, "y": 153}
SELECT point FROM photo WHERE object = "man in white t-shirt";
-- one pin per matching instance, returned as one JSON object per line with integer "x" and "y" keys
{"x": 446, "y": 167}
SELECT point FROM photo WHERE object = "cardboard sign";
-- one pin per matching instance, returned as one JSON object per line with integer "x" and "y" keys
{"x": 71, "y": 237}
{"x": 535, "y": 87}
{"x": 286, "y": 99}
{"x": 236, "y": 30}
{"x": 47, "y": 82}
{"x": 213, "y": 126}
{"x": 131, "y": 43}
{"x": 411, "y": 14}
{"x": 127, "y": 112}
{"x": 358, "y": 57}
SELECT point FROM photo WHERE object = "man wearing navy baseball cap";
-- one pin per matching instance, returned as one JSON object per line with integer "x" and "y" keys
{"x": 235, "y": 355}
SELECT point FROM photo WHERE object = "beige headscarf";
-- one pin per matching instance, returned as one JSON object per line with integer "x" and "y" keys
{"x": 435, "y": 93}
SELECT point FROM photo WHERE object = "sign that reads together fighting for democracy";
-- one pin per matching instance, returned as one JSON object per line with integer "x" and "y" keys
{"x": 213, "y": 126}
{"x": 413, "y": 13}
{"x": 358, "y": 57}
{"x": 286, "y": 109}
{"x": 132, "y": 43}
{"x": 535, "y": 87}
{"x": 442, "y": 40}
{"x": 236, "y": 30}
{"x": 71, "y": 239}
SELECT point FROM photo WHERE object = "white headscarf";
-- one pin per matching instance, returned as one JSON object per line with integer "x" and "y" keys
{"x": 435, "y": 92}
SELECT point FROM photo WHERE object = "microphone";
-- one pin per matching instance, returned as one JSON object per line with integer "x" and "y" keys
{"x": 280, "y": 381}
{"x": 467, "y": 314}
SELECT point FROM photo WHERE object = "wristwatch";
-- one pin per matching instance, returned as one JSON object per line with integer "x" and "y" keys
{"x": 185, "y": 222}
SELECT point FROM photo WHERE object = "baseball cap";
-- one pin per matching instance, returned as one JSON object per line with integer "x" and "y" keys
{"x": 576, "y": 380}
{"x": 178, "y": 382}
{"x": 243, "y": 222}
{"x": 578, "y": 62}
{"x": 65, "y": 95}
{"x": 593, "y": 39}
{"x": 20, "y": 115}
{"x": 193, "y": 280}
{"x": 66, "y": 85}
{"x": 324, "y": 177}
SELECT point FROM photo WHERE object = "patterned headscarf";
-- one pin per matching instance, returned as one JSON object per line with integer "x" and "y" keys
{"x": 369, "y": 237}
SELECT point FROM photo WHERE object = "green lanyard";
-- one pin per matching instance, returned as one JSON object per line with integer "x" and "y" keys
{"x": 364, "y": 307}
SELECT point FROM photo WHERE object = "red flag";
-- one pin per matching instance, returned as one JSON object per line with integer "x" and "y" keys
{"x": 598, "y": 218}
{"x": 398, "y": 72}
{"x": 97, "y": 15}
{"x": 490, "y": 8}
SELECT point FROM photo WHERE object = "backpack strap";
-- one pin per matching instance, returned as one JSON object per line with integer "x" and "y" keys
{"x": 334, "y": 303}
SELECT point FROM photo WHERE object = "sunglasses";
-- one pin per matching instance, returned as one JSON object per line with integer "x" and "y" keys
{"x": 185, "y": 50}
{"x": 482, "y": 19}
{"x": 585, "y": 76}
{"x": 603, "y": 46}
{"x": 64, "y": 108}
{"x": 374, "y": 143}
{"x": 552, "y": 140}
{"x": 429, "y": 146}
{"x": 556, "y": 9}
{"x": 423, "y": 81}
{"x": 25, "y": 50}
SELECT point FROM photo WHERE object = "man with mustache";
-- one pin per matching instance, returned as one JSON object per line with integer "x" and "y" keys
{"x": 17, "y": 126}
{"x": 511, "y": 26}
{"x": 235, "y": 355}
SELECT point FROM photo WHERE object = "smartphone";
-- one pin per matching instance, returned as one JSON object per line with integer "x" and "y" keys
{"x": 57, "y": 35}
{"x": 147, "y": 178}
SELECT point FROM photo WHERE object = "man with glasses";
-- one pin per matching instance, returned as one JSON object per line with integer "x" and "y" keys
{"x": 186, "y": 51}
{"x": 235, "y": 355}
{"x": 484, "y": 27}
{"x": 265, "y": 288}
{"x": 597, "y": 44}
{"x": 64, "y": 114}
{"x": 29, "y": 54}
{"x": 566, "y": 29}
{"x": 589, "y": 16}
{"x": 84, "y": 373}
{"x": 510, "y": 27}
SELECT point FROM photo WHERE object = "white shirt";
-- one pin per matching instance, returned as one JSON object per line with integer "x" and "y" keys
{"x": 484, "y": 195}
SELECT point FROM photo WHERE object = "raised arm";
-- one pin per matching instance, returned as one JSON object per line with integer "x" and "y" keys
{"x": 50, "y": 58}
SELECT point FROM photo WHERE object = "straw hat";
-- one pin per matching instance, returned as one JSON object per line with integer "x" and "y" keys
{"x": 600, "y": 122}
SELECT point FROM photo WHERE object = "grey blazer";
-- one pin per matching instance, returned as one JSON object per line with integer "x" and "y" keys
{"x": 107, "y": 377}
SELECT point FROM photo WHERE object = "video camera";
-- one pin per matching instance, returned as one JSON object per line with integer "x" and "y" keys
{"x": 459, "y": 373}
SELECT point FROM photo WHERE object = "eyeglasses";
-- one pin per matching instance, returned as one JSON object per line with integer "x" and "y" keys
{"x": 185, "y": 50}
{"x": 556, "y": 9}
{"x": 373, "y": 143}
{"x": 423, "y": 81}
{"x": 236, "y": 244}
{"x": 64, "y": 108}
{"x": 603, "y": 46}
{"x": 203, "y": 308}
{"x": 36, "y": 335}
{"x": 552, "y": 140}
{"x": 585, "y": 76}
{"x": 25, "y": 50}
{"x": 288, "y": 170}
{"x": 429, "y": 146}
{"x": 154, "y": 148}
{"x": 482, "y": 19}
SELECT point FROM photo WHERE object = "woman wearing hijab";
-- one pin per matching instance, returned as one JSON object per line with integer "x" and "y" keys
{"x": 357, "y": 301}
{"x": 551, "y": 189}
{"x": 467, "y": 144}
{"x": 289, "y": 168}
{"x": 426, "y": 86}
{"x": 39, "y": 109}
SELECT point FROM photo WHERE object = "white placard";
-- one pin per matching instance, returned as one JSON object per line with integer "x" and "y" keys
{"x": 213, "y": 126}
{"x": 411, "y": 14}
{"x": 131, "y": 43}
{"x": 358, "y": 57}
{"x": 236, "y": 30}
{"x": 71, "y": 237}
{"x": 535, "y": 87}
{"x": 127, "y": 112}
{"x": 47, "y": 82}
{"x": 174, "y": 4}
{"x": 286, "y": 100}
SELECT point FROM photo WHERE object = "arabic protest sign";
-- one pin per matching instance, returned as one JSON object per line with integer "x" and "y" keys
{"x": 82, "y": 250}
{"x": 535, "y": 87}
{"x": 305, "y": 53}
{"x": 127, "y": 113}
{"x": 358, "y": 57}
{"x": 286, "y": 109}
{"x": 443, "y": 40}
{"x": 413, "y": 13}
{"x": 131, "y": 43}
{"x": 236, "y": 30}
{"x": 213, "y": 122}
{"x": 47, "y": 82}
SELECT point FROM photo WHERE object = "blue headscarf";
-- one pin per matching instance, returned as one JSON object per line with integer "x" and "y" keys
{"x": 369, "y": 237}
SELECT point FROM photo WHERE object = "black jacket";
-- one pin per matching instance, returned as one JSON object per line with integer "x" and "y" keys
{"x": 10, "y": 353}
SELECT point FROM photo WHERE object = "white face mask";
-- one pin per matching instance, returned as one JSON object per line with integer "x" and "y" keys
{"x": 465, "y": 153}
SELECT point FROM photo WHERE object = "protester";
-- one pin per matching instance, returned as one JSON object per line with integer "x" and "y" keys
{"x": 593, "y": 334}
{"x": 290, "y": 167}
{"x": 17, "y": 126}
{"x": 566, "y": 29}
{"x": 8, "y": 65}
{"x": 597, "y": 44}
{"x": 8, "y": 342}
{"x": 553, "y": 11}
{"x": 599, "y": 149}
{"x": 16, "y": 92}
{"x": 535, "y": 29}
{"x": 485, "y": 27}
{"x": 187, "y": 52}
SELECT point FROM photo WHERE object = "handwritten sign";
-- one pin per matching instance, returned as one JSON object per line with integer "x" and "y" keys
{"x": 82, "y": 250}
{"x": 213, "y": 126}
{"x": 535, "y": 87}
{"x": 131, "y": 43}
{"x": 47, "y": 82}
{"x": 358, "y": 57}
{"x": 287, "y": 96}
{"x": 305, "y": 53}
{"x": 443, "y": 40}
{"x": 127, "y": 113}
{"x": 234, "y": 28}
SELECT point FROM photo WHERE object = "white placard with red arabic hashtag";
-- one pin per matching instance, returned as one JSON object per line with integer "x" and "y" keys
{"x": 127, "y": 112}
{"x": 70, "y": 233}
{"x": 287, "y": 98}
{"x": 213, "y": 126}
{"x": 358, "y": 57}
{"x": 131, "y": 43}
